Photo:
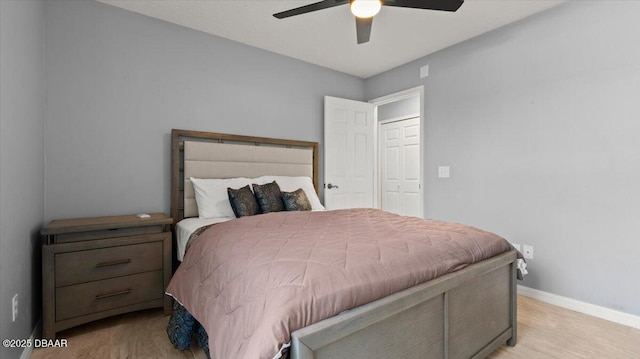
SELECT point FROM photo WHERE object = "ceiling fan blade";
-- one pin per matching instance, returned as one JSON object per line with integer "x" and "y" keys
{"x": 363, "y": 29}
{"x": 309, "y": 8}
{"x": 444, "y": 5}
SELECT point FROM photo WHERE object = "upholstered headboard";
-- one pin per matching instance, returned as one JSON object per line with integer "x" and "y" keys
{"x": 215, "y": 155}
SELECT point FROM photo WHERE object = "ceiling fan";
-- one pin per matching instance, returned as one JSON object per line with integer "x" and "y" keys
{"x": 365, "y": 10}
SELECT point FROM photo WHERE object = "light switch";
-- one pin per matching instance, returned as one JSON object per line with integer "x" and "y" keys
{"x": 443, "y": 172}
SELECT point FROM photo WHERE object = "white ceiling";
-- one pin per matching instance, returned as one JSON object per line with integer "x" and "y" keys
{"x": 328, "y": 37}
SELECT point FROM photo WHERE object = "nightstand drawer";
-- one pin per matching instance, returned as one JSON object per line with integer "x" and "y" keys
{"x": 77, "y": 300}
{"x": 107, "y": 233}
{"x": 85, "y": 266}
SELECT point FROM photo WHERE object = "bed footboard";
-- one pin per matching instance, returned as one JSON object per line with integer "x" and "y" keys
{"x": 465, "y": 314}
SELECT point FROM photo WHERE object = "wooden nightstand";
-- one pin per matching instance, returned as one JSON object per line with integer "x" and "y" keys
{"x": 94, "y": 268}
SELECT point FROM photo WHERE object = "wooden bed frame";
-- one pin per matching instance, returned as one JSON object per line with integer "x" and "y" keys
{"x": 465, "y": 314}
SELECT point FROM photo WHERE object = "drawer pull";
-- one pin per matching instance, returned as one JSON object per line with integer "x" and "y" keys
{"x": 102, "y": 296}
{"x": 113, "y": 263}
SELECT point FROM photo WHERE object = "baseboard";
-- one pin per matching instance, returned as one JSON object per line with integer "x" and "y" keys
{"x": 26, "y": 353}
{"x": 582, "y": 307}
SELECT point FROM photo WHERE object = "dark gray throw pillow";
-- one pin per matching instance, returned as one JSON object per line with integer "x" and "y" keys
{"x": 296, "y": 200}
{"x": 243, "y": 202}
{"x": 268, "y": 196}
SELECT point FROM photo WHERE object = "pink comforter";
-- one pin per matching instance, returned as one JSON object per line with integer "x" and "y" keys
{"x": 252, "y": 281}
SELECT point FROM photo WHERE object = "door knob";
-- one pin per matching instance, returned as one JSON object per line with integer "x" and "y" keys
{"x": 330, "y": 186}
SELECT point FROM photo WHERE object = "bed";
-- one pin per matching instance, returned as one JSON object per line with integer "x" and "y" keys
{"x": 466, "y": 313}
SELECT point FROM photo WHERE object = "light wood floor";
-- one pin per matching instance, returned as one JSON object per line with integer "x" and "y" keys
{"x": 544, "y": 331}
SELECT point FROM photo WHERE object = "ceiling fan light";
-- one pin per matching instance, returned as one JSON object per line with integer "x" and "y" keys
{"x": 365, "y": 8}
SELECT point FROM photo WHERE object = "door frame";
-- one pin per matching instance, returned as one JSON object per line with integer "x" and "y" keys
{"x": 383, "y": 100}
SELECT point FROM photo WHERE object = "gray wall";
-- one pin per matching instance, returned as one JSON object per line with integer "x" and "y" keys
{"x": 540, "y": 123}
{"x": 21, "y": 165}
{"x": 118, "y": 82}
{"x": 401, "y": 108}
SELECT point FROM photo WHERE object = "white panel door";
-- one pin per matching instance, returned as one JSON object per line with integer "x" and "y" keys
{"x": 349, "y": 172}
{"x": 399, "y": 144}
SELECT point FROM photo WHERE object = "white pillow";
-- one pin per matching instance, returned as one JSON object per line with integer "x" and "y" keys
{"x": 212, "y": 197}
{"x": 290, "y": 184}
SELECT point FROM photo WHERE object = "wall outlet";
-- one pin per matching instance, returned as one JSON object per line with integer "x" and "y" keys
{"x": 527, "y": 252}
{"x": 14, "y": 306}
{"x": 517, "y": 246}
